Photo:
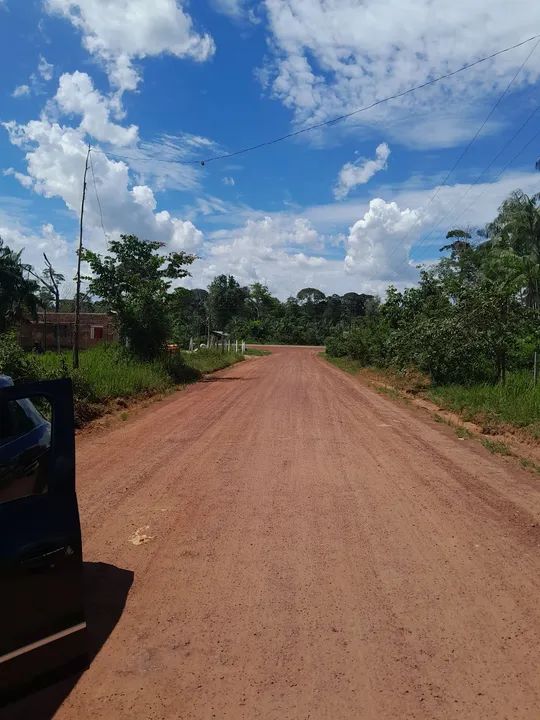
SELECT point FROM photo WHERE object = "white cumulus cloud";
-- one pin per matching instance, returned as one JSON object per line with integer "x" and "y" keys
{"x": 24, "y": 180}
{"x": 76, "y": 94}
{"x": 360, "y": 172}
{"x": 20, "y": 91}
{"x": 281, "y": 251}
{"x": 55, "y": 157}
{"x": 121, "y": 31}
{"x": 329, "y": 57}
{"x": 34, "y": 243}
{"x": 378, "y": 245}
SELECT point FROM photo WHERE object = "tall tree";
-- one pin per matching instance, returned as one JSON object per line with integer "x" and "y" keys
{"x": 135, "y": 280}
{"x": 18, "y": 293}
{"x": 226, "y": 300}
{"x": 517, "y": 226}
{"x": 261, "y": 300}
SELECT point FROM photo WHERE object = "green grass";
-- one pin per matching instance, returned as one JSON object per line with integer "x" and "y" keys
{"x": 209, "y": 360}
{"x": 517, "y": 403}
{"x": 108, "y": 373}
{"x": 344, "y": 363}
{"x": 496, "y": 447}
{"x": 257, "y": 351}
{"x": 529, "y": 465}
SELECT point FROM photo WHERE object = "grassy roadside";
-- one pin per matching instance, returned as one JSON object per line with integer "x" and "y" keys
{"x": 516, "y": 404}
{"x": 505, "y": 420}
{"x": 107, "y": 374}
{"x": 343, "y": 363}
{"x": 257, "y": 352}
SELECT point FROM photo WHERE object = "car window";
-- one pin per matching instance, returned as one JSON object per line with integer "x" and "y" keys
{"x": 24, "y": 450}
{"x": 14, "y": 421}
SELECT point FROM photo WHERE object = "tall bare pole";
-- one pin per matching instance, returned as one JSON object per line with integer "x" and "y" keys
{"x": 78, "y": 290}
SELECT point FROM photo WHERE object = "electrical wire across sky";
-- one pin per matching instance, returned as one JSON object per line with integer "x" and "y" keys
{"x": 145, "y": 158}
{"x": 331, "y": 121}
{"x": 468, "y": 147}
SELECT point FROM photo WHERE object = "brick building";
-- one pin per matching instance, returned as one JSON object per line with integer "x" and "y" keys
{"x": 94, "y": 328}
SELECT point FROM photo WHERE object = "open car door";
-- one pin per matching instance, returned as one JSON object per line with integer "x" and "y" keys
{"x": 42, "y": 622}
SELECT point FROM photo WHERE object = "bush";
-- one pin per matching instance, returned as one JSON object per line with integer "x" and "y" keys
{"x": 15, "y": 362}
{"x": 336, "y": 346}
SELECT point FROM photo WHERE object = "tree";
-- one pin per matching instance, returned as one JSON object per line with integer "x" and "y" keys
{"x": 189, "y": 314}
{"x": 226, "y": 300}
{"x": 261, "y": 300}
{"x": 460, "y": 241}
{"x": 50, "y": 281}
{"x": 46, "y": 303}
{"x": 354, "y": 304}
{"x": 135, "y": 280}
{"x": 517, "y": 226}
{"x": 18, "y": 294}
{"x": 310, "y": 295}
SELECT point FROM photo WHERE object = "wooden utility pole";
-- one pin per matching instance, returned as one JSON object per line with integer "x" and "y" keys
{"x": 78, "y": 290}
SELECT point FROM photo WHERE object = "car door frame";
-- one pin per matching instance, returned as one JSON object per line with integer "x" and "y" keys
{"x": 40, "y": 660}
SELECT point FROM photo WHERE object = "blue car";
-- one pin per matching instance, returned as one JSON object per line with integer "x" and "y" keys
{"x": 25, "y": 438}
{"x": 42, "y": 619}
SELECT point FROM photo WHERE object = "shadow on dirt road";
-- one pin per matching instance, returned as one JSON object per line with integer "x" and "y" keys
{"x": 106, "y": 591}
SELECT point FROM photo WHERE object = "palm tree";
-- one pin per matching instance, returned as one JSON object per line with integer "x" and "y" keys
{"x": 517, "y": 226}
{"x": 17, "y": 292}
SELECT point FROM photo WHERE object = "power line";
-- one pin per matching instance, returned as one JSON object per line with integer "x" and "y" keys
{"x": 97, "y": 196}
{"x": 472, "y": 141}
{"x": 501, "y": 171}
{"x": 481, "y": 175}
{"x": 338, "y": 118}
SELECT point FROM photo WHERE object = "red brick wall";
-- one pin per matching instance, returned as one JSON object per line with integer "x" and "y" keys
{"x": 38, "y": 332}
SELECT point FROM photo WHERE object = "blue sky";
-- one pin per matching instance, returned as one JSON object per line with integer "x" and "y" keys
{"x": 153, "y": 86}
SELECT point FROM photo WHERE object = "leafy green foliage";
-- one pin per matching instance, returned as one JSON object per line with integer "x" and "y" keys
{"x": 135, "y": 281}
{"x": 255, "y": 315}
{"x": 20, "y": 366}
{"x": 226, "y": 301}
{"x": 18, "y": 293}
{"x": 472, "y": 317}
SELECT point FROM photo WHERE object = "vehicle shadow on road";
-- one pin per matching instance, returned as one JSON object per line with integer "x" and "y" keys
{"x": 106, "y": 589}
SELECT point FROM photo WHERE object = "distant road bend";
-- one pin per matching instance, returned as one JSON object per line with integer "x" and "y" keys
{"x": 282, "y": 543}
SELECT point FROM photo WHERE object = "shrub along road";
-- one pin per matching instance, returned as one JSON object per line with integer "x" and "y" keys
{"x": 302, "y": 548}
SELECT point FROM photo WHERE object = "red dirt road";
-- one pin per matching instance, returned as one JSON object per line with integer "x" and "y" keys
{"x": 317, "y": 551}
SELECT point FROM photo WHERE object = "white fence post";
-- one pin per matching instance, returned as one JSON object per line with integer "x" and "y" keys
{"x": 236, "y": 346}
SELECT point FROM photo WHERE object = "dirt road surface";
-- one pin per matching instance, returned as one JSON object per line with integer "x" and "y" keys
{"x": 282, "y": 542}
